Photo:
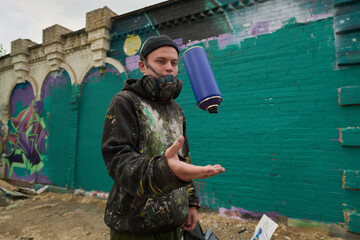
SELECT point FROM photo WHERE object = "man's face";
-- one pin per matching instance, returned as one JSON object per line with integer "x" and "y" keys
{"x": 163, "y": 60}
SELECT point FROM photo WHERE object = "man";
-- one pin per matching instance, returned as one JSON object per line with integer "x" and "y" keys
{"x": 146, "y": 152}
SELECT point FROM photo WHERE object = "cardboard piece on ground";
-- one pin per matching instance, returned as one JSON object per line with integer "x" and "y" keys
{"x": 8, "y": 186}
{"x": 14, "y": 193}
{"x": 29, "y": 191}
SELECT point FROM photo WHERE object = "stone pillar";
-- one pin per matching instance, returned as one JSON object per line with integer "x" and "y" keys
{"x": 98, "y": 26}
{"x": 20, "y": 58}
{"x": 52, "y": 38}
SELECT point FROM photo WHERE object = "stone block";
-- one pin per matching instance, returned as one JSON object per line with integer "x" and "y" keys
{"x": 351, "y": 179}
{"x": 55, "y": 55}
{"x": 100, "y": 44}
{"x": 21, "y": 46}
{"x": 98, "y": 33}
{"x": 349, "y": 95}
{"x": 350, "y": 136}
{"x": 99, "y": 55}
{"x": 99, "y": 18}
{"x": 54, "y": 47}
{"x": 54, "y": 34}
{"x": 21, "y": 66}
{"x": 353, "y": 221}
{"x": 20, "y": 58}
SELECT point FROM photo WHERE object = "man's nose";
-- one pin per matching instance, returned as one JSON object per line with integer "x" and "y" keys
{"x": 169, "y": 67}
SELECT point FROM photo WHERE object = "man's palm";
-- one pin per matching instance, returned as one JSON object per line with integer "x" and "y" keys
{"x": 185, "y": 171}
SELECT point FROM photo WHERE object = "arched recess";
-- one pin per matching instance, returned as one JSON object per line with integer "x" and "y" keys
{"x": 55, "y": 107}
{"x": 97, "y": 89}
{"x": 117, "y": 64}
{"x": 25, "y": 152}
{"x": 30, "y": 80}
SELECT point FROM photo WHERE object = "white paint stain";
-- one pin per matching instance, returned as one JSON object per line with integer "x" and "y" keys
{"x": 164, "y": 127}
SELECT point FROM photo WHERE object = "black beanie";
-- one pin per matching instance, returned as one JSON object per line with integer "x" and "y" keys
{"x": 155, "y": 42}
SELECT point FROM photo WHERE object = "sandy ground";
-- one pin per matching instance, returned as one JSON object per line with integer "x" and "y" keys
{"x": 68, "y": 216}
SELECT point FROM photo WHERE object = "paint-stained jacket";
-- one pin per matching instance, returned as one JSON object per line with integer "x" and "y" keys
{"x": 146, "y": 195}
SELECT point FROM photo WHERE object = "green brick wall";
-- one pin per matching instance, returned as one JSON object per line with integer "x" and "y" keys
{"x": 277, "y": 130}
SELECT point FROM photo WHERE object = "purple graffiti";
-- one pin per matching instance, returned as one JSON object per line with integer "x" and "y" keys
{"x": 132, "y": 63}
{"x": 23, "y": 93}
{"x": 27, "y": 139}
{"x": 260, "y": 28}
{"x": 53, "y": 80}
{"x": 224, "y": 40}
{"x": 242, "y": 214}
{"x": 98, "y": 71}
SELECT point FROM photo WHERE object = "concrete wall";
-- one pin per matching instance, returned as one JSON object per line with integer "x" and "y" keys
{"x": 41, "y": 89}
{"x": 287, "y": 131}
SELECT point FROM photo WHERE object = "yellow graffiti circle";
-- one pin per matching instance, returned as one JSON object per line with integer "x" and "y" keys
{"x": 132, "y": 45}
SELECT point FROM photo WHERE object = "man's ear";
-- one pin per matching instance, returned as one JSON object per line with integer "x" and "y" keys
{"x": 142, "y": 66}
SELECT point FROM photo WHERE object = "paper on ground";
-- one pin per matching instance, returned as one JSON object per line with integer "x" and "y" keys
{"x": 41, "y": 190}
{"x": 265, "y": 229}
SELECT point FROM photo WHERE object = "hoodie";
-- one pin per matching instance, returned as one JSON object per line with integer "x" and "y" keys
{"x": 146, "y": 196}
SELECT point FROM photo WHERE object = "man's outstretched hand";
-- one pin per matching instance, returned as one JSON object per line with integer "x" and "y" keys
{"x": 185, "y": 171}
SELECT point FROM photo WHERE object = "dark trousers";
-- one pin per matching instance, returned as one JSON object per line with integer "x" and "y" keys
{"x": 173, "y": 235}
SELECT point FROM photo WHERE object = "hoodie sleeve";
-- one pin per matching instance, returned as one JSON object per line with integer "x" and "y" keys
{"x": 137, "y": 174}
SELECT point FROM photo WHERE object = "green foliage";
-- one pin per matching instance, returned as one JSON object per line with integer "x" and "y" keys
{"x": 2, "y": 50}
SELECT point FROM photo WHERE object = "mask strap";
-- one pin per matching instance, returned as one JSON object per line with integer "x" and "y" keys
{"x": 148, "y": 66}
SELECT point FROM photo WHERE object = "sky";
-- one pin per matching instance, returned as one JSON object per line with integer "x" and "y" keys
{"x": 26, "y": 19}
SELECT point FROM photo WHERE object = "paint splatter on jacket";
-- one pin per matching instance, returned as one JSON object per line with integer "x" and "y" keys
{"x": 146, "y": 195}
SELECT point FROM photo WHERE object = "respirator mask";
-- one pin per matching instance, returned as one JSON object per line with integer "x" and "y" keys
{"x": 161, "y": 88}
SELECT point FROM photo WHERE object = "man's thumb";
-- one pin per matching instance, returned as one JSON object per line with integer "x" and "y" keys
{"x": 173, "y": 149}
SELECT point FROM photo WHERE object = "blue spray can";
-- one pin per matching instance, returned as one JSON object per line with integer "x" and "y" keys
{"x": 202, "y": 79}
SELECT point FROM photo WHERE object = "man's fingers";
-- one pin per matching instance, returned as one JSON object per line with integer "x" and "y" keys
{"x": 187, "y": 172}
{"x": 218, "y": 168}
{"x": 173, "y": 149}
{"x": 199, "y": 172}
{"x": 211, "y": 171}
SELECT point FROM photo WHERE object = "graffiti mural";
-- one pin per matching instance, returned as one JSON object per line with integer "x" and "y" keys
{"x": 26, "y": 148}
{"x": 25, "y": 137}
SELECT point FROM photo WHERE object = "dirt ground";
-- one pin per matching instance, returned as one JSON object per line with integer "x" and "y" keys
{"x": 69, "y": 216}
